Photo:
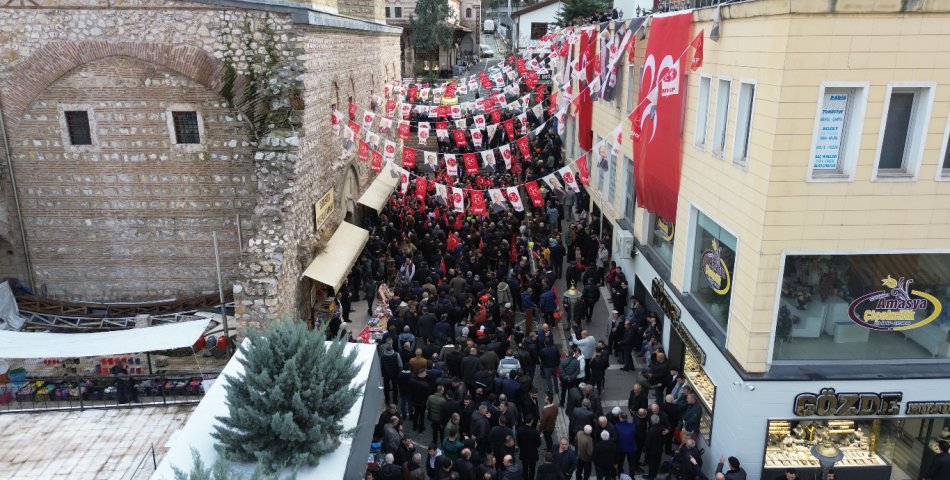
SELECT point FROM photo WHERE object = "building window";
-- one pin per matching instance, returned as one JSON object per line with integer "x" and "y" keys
{"x": 397, "y": 11}
{"x": 868, "y": 308}
{"x": 702, "y": 112}
{"x": 612, "y": 175}
{"x": 903, "y": 130}
{"x": 77, "y": 126}
{"x": 387, "y": 12}
{"x": 713, "y": 259}
{"x": 538, "y": 30}
{"x": 631, "y": 78}
{"x": 722, "y": 114}
{"x": 468, "y": 13}
{"x": 740, "y": 145}
{"x": 660, "y": 236}
{"x": 618, "y": 82}
{"x": 186, "y": 127}
{"x": 571, "y": 138}
{"x": 600, "y": 162}
{"x": 837, "y": 132}
{"x": 630, "y": 200}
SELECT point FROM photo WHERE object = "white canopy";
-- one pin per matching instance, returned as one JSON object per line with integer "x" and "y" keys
{"x": 379, "y": 191}
{"x": 331, "y": 266}
{"x": 54, "y": 345}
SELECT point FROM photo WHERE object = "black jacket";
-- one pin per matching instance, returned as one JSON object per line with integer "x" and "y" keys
{"x": 939, "y": 467}
{"x": 529, "y": 441}
{"x": 605, "y": 454}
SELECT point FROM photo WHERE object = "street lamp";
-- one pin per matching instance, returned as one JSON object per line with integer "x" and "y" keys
{"x": 572, "y": 296}
{"x": 828, "y": 455}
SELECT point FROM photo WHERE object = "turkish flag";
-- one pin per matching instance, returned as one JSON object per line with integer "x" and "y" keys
{"x": 519, "y": 64}
{"x": 362, "y": 151}
{"x": 697, "y": 45}
{"x": 452, "y": 241}
{"x": 353, "y": 110}
{"x": 404, "y": 130}
{"x": 459, "y": 136}
{"x": 509, "y": 128}
{"x": 458, "y": 200}
{"x": 552, "y": 106}
{"x": 568, "y": 175}
{"x": 408, "y": 157}
{"x": 486, "y": 83}
{"x": 585, "y": 106}
{"x": 471, "y": 163}
{"x": 421, "y": 186}
{"x": 534, "y": 192}
{"x": 514, "y": 198}
{"x": 377, "y": 161}
{"x": 524, "y": 147}
{"x": 477, "y": 200}
{"x": 657, "y": 150}
{"x": 582, "y": 170}
{"x": 631, "y": 49}
{"x": 451, "y": 164}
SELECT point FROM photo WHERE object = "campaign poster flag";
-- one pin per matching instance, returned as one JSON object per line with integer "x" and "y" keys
{"x": 451, "y": 164}
{"x": 403, "y": 181}
{"x": 377, "y": 161}
{"x": 362, "y": 151}
{"x": 524, "y": 147}
{"x": 477, "y": 201}
{"x": 423, "y": 131}
{"x": 458, "y": 200}
{"x": 498, "y": 201}
{"x": 404, "y": 130}
{"x": 506, "y": 155}
{"x": 476, "y": 137}
{"x": 368, "y": 118}
{"x": 582, "y": 170}
{"x": 353, "y": 110}
{"x": 442, "y": 194}
{"x": 568, "y": 175}
{"x": 459, "y": 136}
{"x": 389, "y": 151}
{"x": 488, "y": 158}
{"x": 421, "y": 186}
{"x": 534, "y": 192}
{"x": 471, "y": 163}
{"x": 335, "y": 120}
{"x": 408, "y": 157}
{"x": 514, "y": 198}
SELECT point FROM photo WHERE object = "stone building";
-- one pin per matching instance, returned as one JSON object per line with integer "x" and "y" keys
{"x": 133, "y": 129}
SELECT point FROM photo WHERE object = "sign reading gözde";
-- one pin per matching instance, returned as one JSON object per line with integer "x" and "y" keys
{"x": 896, "y": 307}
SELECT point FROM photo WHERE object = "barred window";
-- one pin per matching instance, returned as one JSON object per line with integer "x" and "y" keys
{"x": 186, "y": 127}
{"x": 77, "y": 124}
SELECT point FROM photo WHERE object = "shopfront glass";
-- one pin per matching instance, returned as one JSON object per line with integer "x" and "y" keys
{"x": 864, "y": 307}
{"x": 660, "y": 238}
{"x": 714, "y": 256}
{"x": 872, "y": 449}
{"x": 704, "y": 389}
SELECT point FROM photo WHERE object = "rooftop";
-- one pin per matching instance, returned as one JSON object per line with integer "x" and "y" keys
{"x": 91, "y": 444}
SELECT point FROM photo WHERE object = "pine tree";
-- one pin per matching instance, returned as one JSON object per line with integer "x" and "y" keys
{"x": 221, "y": 470}
{"x": 571, "y": 9}
{"x": 286, "y": 409}
{"x": 431, "y": 25}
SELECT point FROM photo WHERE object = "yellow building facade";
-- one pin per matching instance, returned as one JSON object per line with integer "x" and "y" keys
{"x": 815, "y": 166}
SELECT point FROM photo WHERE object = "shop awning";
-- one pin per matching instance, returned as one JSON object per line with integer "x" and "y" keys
{"x": 332, "y": 265}
{"x": 117, "y": 342}
{"x": 379, "y": 191}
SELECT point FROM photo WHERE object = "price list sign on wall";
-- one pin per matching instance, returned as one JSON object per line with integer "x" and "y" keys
{"x": 831, "y": 126}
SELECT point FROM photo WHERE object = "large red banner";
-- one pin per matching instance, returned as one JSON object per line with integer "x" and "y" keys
{"x": 584, "y": 104}
{"x": 659, "y": 115}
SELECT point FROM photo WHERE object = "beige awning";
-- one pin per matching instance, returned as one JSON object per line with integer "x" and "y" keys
{"x": 332, "y": 265}
{"x": 379, "y": 191}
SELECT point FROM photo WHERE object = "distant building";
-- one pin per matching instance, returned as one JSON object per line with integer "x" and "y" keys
{"x": 463, "y": 16}
{"x": 533, "y": 22}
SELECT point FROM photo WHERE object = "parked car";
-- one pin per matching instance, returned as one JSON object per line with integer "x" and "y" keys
{"x": 487, "y": 52}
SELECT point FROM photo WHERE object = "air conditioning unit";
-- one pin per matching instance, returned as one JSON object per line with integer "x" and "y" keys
{"x": 623, "y": 248}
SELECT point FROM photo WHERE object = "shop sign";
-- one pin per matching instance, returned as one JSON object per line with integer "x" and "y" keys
{"x": 690, "y": 343}
{"x": 928, "y": 408}
{"x": 829, "y": 403}
{"x": 323, "y": 209}
{"x": 665, "y": 229}
{"x": 658, "y": 291}
{"x": 894, "y": 308}
{"x": 715, "y": 270}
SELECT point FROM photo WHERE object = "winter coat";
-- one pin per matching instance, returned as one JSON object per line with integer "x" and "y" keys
{"x": 627, "y": 437}
{"x": 504, "y": 294}
{"x": 390, "y": 363}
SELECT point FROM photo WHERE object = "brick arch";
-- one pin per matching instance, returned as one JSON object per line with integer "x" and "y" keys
{"x": 30, "y": 78}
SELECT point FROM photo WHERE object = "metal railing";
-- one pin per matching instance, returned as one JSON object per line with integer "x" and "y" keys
{"x": 82, "y": 392}
{"x": 673, "y": 5}
{"x": 148, "y": 458}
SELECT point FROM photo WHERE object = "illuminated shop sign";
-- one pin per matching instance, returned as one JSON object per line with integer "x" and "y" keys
{"x": 896, "y": 307}
{"x": 828, "y": 403}
{"x": 715, "y": 270}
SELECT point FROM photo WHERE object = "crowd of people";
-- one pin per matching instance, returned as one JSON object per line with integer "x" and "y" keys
{"x": 482, "y": 355}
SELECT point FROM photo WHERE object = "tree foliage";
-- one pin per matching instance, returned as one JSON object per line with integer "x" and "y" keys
{"x": 221, "y": 470}
{"x": 571, "y": 9}
{"x": 431, "y": 26}
{"x": 286, "y": 409}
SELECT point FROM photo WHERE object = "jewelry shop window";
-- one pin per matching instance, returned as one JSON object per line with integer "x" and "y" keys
{"x": 876, "y": 308}
{"x": 660, "y": 238}
{"x": 697, "y": 379}
{"x": 714, "y": 256}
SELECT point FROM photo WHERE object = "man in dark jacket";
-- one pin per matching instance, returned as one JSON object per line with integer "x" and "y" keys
{"x": 735, "y": 472}
{"x": 390, "y": 364}
{"x": 549, "y": 470}
{"x": 605, "y": 457}
{"x": 389, "y": 470}
{"x": 470, "y": 366}
{"x": 565, "y": 458}
{"x": 419, "y": 388}
{"x": 529, "y": 441}
{"x": 590, "y": 295}
{"x": 464, "y": 466}
{"x": 940, "y": 465}
{"x": 550, "y": 358}
{"x": 653, "y": 447}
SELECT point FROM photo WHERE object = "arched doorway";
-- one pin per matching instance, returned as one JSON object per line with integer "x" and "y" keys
{"x": 351, "y": 194}
{"x": 468, "y": 44}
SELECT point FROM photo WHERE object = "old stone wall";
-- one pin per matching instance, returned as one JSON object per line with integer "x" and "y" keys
{"x": 337, "y": 66}
{"x": 130, "y": 217}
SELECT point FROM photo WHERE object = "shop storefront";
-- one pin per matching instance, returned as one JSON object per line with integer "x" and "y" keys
{"x": 873, "y": 307}
{"x": 871, "y": 436}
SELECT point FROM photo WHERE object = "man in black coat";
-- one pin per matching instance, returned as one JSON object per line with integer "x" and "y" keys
{"x": 653, "y": 448}
{"x": 470, "y": 366}
{"x": 605, "y": 457}
{"x": 464, "y": 466}
{"x": 549, "y": 470}
{"x": 940, "y": 465}
{"x": 529, "y": 442}
{"x": 419, "y": 389}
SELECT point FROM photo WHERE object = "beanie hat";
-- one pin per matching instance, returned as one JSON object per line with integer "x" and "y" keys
{"x": 733, "y": 462}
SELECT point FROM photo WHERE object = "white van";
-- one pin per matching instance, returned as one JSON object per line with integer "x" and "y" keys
{"x": 489, "y": 26}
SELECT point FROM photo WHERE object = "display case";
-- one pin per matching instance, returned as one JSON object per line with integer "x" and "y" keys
{"x": 790, "y": 442}
{"x": 705, "y": 392}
